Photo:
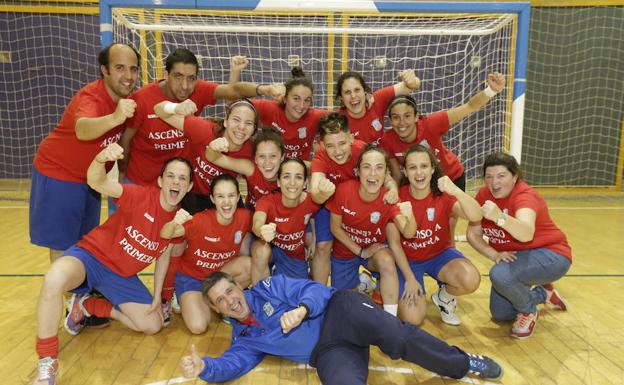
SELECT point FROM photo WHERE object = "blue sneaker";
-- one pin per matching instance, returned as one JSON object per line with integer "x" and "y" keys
{"x": 75, "y": 319}
{"x": 484, "y": 367}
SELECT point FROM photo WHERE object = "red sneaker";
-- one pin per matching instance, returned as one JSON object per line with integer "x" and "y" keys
{"x": 553, "y": 299}
{"x": 376, "y": 296}
{"x": 524, "y": 325}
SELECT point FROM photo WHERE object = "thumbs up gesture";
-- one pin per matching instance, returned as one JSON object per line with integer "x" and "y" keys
{"x": 192, "y": 365}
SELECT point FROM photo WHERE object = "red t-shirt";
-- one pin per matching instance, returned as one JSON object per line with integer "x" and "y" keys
{"x": 432, "y": 215}
{"x": 370, "y": 127}
{"x": 61, "y": 155}
{"x": 337, "y": 172}
{"x": 201, "y": 133}
{"x": 291, "y": 222}
{"x": 364, "y": 222}
{"x": 155, "y": 141}
{"x": 211, "y": 244}
{"x": 129, "y": 240}
{"x": 257, "y": 187}
{"x": 547, "y": 234}
{"x": 429, "y": 132}
{"x": 298, "y": 136}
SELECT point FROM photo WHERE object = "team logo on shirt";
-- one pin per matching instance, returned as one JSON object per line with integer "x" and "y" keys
{"x": 430, "y": 213}
{"x": 149, "y": 217}
{"x": 268, "y": 309}
{"x": 303, "y": 132}
{"x": 238, "y": 237}
{"x": 212, "y": 239}
{"x": 377, "y": 125}
{"x": 306, "y": 218}
{"x": 375, "y": 217}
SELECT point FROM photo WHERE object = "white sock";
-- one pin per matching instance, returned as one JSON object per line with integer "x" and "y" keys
{"x": 392, "y": 309}
{"x": 444, "y": 295}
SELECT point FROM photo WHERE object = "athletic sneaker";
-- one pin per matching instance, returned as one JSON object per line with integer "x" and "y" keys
{"x": 166, "y": 310}
{"x": 366, "y": 284}
{"x": 484, "y": 367}
{"x": 376, "y": 297}
{"x": 175, "y": 305}
{"x": 553, "y": 299}
{"x": 447, "y": 309}
{"x": 94, "y": 322}
{"x": 47, "y": 368}
{"x": 74, "y": 321}
{"x": 524, "y": 325}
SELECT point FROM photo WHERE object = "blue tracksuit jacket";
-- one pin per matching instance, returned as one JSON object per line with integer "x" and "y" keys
{"x": 268, "y": 300}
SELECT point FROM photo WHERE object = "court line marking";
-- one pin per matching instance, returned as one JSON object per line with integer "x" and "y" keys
{"x": 550, "y": 207}
{"x": 468, "y": 380}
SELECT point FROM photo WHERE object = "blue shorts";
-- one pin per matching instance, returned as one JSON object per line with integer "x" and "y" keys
{"x": 345, "y": 273}
{"x": 321, "y": 226}
{"x": 285, "y": 265}
{"x": 112, "y": 207}
{"x": 114, "y": 287}
{"x": 431, "y": 267}
{"x": 61, "y": 213}
{"x": 184, "y": 283}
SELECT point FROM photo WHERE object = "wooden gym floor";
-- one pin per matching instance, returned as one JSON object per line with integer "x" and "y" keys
{"x": 581, "y": 346}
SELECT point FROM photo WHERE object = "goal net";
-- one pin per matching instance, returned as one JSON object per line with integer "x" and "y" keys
{"x": 451, "y": 53}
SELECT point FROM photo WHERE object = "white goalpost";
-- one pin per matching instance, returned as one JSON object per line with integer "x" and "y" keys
{"x": 452, "y": 47}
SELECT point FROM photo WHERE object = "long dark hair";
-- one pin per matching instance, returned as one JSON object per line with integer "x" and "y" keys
{"x": 437, "y": 170}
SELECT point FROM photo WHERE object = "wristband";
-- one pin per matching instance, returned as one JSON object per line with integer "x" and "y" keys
{"x": 361, "y": 252}
{"x": 258, "y": 89}
{"x": 489, "y": 92}
{"x": 170, "y": 107}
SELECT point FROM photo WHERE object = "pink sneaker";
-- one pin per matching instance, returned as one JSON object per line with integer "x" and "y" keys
{"x": 553, "y": 299}
{"x": 524, "y": 325}
{"x": 46, "y": 371}
{"x": 74, "y": 321}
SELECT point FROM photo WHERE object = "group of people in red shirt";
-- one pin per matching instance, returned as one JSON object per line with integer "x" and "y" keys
{"x": 327, "y": 193}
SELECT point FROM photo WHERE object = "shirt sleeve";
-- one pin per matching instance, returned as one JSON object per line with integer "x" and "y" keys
{"x": 264, "y": 204}
{"x": 198, "y": 129}
{"x": 266, "y": 110}
{"x": 235, "y": 362}
{"x": 436, "y": 123}
{"x": 383, "y": 97}
{"x": 204, "y": 93}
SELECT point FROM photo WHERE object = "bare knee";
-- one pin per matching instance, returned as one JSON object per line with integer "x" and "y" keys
{"x": 197, "y": 325}
{"x": 385, "y": 264}
{"x": 149, "y": 325}
{"x": 323, "y": 249}
{"x": 411, "y": 315}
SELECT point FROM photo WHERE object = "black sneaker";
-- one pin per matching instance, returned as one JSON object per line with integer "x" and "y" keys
{"x": 94, "y": 322}
{"x": 484, "y": 367}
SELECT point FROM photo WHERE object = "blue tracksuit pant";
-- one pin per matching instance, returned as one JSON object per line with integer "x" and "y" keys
{"x": 353, "y": 322}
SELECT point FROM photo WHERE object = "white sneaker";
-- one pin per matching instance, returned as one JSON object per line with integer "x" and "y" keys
{"x": 447, "y": 309}
{"x": 366, "y": 284}
{"x": 47, "y": 368}
{"x": 175, "y": 305}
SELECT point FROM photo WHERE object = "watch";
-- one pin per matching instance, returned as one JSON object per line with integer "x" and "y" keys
{"x": 501, "y": 220}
